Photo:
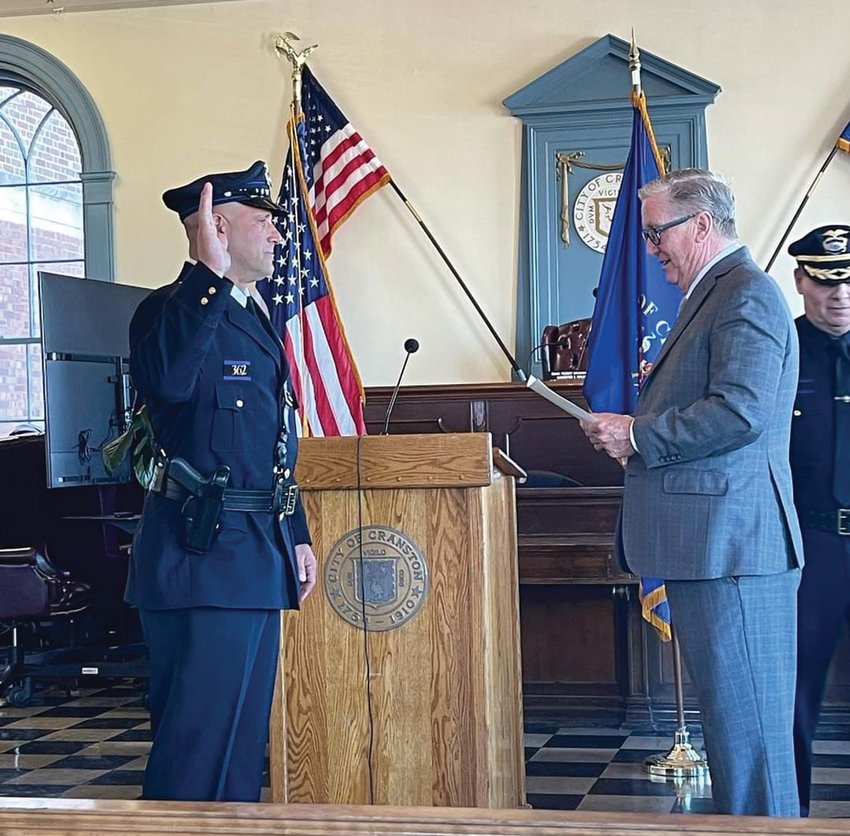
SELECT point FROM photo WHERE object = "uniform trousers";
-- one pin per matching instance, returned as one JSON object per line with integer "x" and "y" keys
{"x": 738, "y": 640}
{"x": 212, "y": 674}
{"x": 823, "y": 607}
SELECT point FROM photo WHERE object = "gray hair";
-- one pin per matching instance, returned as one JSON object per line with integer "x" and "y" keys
{"x": 698, "y": 190}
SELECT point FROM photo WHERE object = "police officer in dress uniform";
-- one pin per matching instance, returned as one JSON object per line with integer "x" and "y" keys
{"x": 820, "y": 463}
{"x": 223, "y": 544}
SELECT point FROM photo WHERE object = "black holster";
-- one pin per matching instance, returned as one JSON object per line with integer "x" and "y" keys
{"x": 201, "y": 510}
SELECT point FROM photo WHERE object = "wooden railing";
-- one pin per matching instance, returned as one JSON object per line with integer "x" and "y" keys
{"x": 64, "y": 817}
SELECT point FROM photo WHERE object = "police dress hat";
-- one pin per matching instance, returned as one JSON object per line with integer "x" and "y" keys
{"x": 251, "y": 187}
{"x": 824, "y": 254}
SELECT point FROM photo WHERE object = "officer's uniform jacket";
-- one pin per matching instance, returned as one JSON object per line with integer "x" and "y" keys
{"x": 823, "y": 602}
{"x": 812, "y": 428}
{"x": 216, "y": 382}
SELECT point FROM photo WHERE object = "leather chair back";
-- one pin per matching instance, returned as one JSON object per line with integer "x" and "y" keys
{"x": 565, "y": 348}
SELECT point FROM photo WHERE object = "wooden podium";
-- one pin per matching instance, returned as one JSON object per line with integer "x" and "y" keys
{"x": 423, "y": 707}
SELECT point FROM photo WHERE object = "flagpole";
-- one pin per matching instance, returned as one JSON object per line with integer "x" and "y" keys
{"x": 423, "y": 226}
{"x": 639, "y": 101}
{"x": 681, "y": 762}
{"x": 297, "y": 59}
{"x": 634, "y": 65}
{"x": 802, "y": 206}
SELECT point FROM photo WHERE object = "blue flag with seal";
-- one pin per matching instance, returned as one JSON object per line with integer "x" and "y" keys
{"x": 635, "y": 310}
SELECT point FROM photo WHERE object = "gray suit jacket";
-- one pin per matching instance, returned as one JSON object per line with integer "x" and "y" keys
{"x": 709, "y": 495}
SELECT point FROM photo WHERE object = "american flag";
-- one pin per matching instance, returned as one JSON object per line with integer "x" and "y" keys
{"x": 329, "y": 170}
{"x": 341, "y": 169}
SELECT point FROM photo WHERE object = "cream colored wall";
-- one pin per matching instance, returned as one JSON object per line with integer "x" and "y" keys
{"x": 193, "y": 89}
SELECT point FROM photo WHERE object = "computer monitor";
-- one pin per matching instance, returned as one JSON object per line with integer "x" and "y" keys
{"x": 88, "y": 396}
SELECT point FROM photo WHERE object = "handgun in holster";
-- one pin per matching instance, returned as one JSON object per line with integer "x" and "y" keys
{"x": 202, "y": 509}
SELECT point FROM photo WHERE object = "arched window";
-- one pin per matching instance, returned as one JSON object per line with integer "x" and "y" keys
{"x": 55, "y": 209}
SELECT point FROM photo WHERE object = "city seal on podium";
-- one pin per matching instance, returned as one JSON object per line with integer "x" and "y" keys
{"x": 376, "y": 577}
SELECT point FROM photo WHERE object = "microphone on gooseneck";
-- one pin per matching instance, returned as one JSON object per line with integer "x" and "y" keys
{"x": 411, "y": 346}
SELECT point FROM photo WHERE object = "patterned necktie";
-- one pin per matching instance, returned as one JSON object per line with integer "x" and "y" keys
{"x": 841, "y": 475}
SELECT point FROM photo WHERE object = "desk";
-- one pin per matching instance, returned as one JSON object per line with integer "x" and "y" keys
{"x": 124, "y": 521}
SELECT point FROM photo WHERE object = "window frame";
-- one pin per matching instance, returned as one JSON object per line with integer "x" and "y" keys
{"x": 26, "y": 65}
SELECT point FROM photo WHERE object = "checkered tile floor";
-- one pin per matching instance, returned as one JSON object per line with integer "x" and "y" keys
{"x": 602, "y": 769}
{"x": 94, "y": 745}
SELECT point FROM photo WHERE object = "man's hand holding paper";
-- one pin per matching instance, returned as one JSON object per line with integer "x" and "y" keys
{"x": 610, "y": 432}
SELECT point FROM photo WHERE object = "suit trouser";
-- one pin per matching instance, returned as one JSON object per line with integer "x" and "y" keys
{"x": 823, "y": 607}
{"x": 212, "y": 673}
{"x": 738, "y": 639}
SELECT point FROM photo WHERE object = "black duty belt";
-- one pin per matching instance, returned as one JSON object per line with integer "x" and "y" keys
{"x": 280, "y": 501}
{"x": 836, "y": 521}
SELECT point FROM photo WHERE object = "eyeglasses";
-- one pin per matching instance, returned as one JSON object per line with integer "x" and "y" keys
{"x": 653, "y": 233}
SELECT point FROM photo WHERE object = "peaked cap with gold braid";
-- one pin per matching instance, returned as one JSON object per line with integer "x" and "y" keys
{"x": 824, "y": 254}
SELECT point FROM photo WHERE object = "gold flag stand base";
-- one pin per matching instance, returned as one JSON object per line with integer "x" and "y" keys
{"x": 681, "y": 763}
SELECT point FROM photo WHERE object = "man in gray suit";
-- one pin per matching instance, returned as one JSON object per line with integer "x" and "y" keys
{"x": 707, "y": 502}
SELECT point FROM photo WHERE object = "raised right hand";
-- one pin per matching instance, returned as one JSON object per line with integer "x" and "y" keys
{"x": 211, "y": 242}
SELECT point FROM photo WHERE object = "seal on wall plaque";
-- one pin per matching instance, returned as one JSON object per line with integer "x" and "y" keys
{"x": 389, "y": 583}
{"x": 594, "y": 208}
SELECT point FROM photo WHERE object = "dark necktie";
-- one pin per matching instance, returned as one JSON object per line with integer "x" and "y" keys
{"x": 841, "y": 475}
{"x": 254, "y": 309}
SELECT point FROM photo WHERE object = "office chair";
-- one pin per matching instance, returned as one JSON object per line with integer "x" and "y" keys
{"x": 32, "y": 590}
{"x": 564, "y": 349}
